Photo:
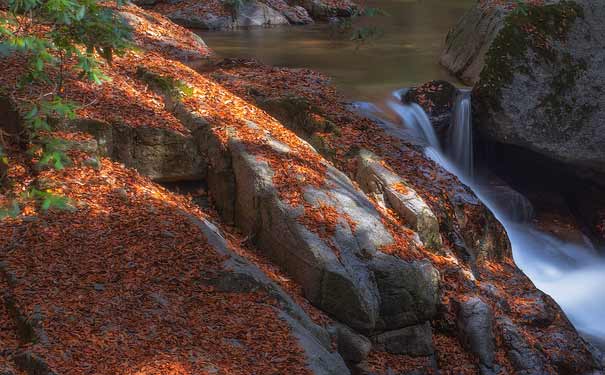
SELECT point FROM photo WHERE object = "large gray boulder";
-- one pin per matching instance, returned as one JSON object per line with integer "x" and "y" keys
{"x": 342, "y": 271}
{"x": 542, "y": 82}
{"x": 249, "y": 14}
{"x": 253, "y": 13}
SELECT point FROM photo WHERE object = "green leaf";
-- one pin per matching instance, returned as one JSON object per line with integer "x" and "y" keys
{"x": 12, "y": 210}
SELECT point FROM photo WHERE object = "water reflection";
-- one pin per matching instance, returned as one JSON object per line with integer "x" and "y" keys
{"x": 406, "y": 54}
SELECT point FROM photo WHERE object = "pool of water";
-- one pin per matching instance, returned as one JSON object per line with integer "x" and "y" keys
{"x": 407, "y": 52}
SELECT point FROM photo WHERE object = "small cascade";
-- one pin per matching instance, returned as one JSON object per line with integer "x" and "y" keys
{"x": 460, "y": 138}
{"x": 555, "y": 266}
{"x": 413, "y": 116}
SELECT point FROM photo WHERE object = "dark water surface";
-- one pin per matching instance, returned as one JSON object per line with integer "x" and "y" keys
{"x": 407, "y": 53}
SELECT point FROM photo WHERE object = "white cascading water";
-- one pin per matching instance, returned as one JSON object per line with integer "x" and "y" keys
{"x": 460, "y": 138}
{"x": 572, "y": 273}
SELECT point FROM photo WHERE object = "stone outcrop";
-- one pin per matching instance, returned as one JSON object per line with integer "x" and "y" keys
{"x": 468, "y": 42}
{"x": 250, "y": 13}
{"x": 523, "y": 357}
{"x": 414, "y": 340}
{"x": 344, "y": 274}
{"x": 242, "y": 276}
{"x": 161, "y": 154}
{"x": 195, "y": 16}
{"x": 391, "y": 190}
{"x": 353, "y": 347}
{"x": 550, "y": 56}
{"x": 324, "y": 10}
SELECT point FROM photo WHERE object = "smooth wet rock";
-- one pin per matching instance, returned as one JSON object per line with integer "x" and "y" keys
{"x": 415, "y": 340}
{"x": 476, "y": 230}
{"x": 476, "y": 330}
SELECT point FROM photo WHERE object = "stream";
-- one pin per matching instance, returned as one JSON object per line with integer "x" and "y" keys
{"x": 406, "y": 55}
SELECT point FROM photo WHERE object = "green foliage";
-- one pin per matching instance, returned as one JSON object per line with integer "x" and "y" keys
{"x": 56, "y": 35}
{"x": 175, "y": 87}
{"x": 41, "y": 114}
{"x": 48, "y": 200}
{"x": 521, "y": 8}
{"x": 52, "y": 154}
{"x": 12, "y": 210}
{"x": 78, "y": 28}
{"x": 3, "y": 157}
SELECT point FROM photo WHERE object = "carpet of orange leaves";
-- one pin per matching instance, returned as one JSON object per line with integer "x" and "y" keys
{"x": 199, "y": 8}
{"x": 154, "y": 32}
{"x": 9, "y": 342}
{"x": 123, "y": 285}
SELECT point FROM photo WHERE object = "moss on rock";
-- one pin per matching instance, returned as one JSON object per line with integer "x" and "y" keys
{"x": 532, "y": 30}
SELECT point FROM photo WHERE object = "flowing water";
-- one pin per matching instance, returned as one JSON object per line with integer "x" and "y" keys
{"x": 572, "y": 273}
{"x": 407, "y": 52}
{"x": 461, "y": 134}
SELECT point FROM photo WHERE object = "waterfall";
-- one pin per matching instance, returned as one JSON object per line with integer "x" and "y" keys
{"x": 414, "y": 117}
{"x": 460, "y": 138}
{"x": 572, "y": 273}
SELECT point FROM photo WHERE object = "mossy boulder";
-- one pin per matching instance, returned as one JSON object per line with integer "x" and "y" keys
{"x": 542, "y": 83}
